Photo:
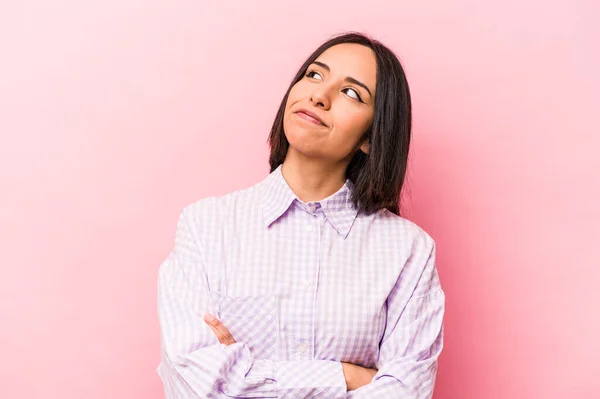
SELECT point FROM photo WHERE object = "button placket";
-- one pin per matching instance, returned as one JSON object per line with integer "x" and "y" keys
{"x": 301, "y": 348}
{"x": 303, "y": 336}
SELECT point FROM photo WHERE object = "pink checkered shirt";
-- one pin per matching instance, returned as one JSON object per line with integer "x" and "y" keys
{"x": 302, "y": 287}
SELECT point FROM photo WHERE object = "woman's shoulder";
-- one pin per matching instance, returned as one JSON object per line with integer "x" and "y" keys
{"x": 403, "y": 228}
{"x": 224, "y": 204}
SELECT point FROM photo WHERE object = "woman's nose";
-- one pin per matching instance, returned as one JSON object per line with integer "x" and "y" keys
{"x": 321, "y": 97}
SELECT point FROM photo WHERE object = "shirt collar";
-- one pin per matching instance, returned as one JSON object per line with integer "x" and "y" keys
{"x": 277, "y": 197}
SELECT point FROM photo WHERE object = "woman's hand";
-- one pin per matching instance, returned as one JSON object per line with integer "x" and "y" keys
{"x": 357, "y": 376}
{"x": 219, "y": 329}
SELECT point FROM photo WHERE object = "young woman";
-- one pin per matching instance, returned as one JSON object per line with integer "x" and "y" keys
{"x": 309, "y": 284}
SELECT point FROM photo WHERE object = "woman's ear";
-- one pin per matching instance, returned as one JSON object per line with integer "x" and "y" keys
{"x": 364, "y": 147}
{"x": 365, "y": 142}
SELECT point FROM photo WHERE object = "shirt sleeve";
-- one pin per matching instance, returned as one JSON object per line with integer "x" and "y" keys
{"x": 193, "y": 362}
{"x": 413, "y": 338}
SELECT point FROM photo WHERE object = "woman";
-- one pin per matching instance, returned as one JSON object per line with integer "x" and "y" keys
{"x": 309, "y": 284}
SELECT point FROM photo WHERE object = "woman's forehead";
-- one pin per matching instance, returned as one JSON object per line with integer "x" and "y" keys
{"x": 353, "y": 60}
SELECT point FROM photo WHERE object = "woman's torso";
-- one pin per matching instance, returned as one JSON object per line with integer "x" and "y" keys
{"x": 302, "y": 281}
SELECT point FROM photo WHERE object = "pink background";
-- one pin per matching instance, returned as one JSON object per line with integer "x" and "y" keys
{"x": 114, "y": 115}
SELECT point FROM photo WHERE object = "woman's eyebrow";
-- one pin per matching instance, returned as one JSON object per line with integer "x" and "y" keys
{"x": 348, "y": 79}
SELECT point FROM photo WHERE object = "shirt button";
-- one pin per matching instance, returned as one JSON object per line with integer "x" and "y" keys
{"x": 312, "y": 207}
{"x": 309, "y": 228}
{"x": 306, "y": 283}
{"x": 301, "y": 348}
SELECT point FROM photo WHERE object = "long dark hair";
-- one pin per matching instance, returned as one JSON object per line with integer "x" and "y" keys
{"x": 378, "y": 177}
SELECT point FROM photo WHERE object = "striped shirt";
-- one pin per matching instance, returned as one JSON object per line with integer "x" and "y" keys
{"x": 301, "y": 287}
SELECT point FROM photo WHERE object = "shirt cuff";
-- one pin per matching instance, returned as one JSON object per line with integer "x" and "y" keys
{"x": 310, "y": 379}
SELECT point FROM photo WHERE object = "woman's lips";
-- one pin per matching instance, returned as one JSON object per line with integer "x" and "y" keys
{"x": 307, "y": 116}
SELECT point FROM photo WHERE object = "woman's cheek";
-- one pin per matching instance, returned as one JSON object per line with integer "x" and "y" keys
{"x": 353, "y": 124}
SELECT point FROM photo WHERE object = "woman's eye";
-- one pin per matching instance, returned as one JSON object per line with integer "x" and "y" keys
{"x": 314, "y": 75}
{"x": 352, "y": 94}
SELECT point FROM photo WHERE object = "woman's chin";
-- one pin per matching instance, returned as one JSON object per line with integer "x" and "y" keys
{"x": 306, "y": 149}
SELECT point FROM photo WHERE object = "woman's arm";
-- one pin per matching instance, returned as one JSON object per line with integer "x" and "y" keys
{"x": 413, "y": 338}
{"x": 193, "y": 362}
{"x": 355, "y": 376}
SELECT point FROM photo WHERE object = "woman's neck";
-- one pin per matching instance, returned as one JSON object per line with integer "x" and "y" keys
{"x": 312, "y": 180}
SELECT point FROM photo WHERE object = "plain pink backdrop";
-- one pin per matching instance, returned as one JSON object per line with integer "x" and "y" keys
{"x": 116, "y": 114}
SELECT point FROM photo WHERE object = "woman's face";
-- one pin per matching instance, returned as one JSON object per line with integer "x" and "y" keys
{"x": 330, "y": 109}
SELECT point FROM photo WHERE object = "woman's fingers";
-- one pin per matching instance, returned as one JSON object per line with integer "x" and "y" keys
{"x": 357, "y": 376}
{"x": 222, "y": 333}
